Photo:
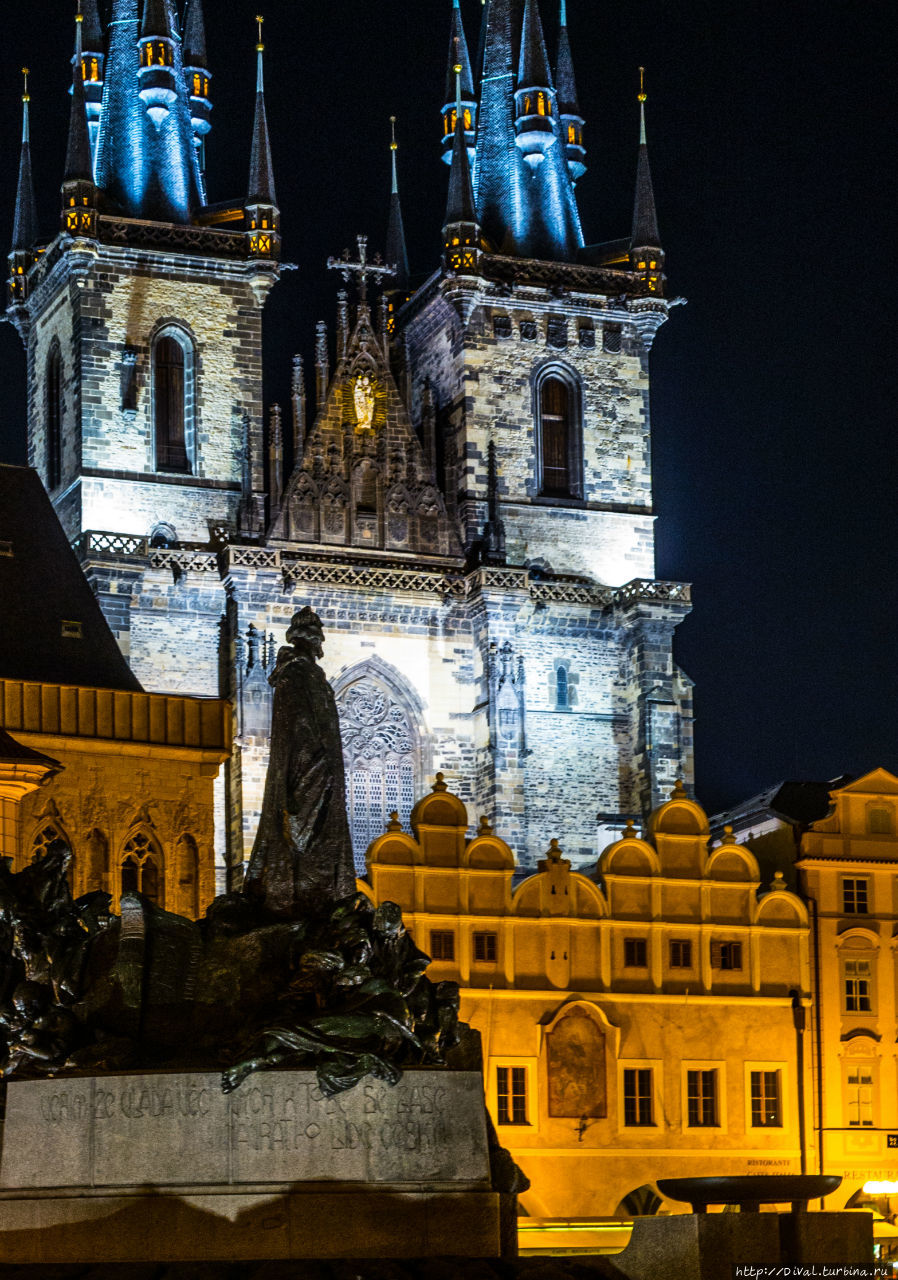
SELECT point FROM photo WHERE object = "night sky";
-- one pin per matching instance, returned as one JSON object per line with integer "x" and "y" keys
{"x": 771, "y": 140}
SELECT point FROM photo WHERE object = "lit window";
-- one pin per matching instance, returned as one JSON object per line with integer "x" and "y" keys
{"x": 701, "y": 1099}
{"x": 857, "y": 986}
{"x": 442, "y": 944}
{"x": 638, "y": 1102}
{"x": 766, "y": 1107}
{"x": 467, "y": 118}
{"x": 511, "y": 1095}
{"x": 485, "y": 947}
{"x": 571, "y": 133}
{"x": 859, "y": 1097}
{"x": 854, "y": 896}
{"x": 635, "y": 953}
{"x": 726, "y": 955}
{"x": 680, "y": 953}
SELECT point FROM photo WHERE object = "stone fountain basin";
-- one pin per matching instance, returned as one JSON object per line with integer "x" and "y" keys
{"x": 751, "y": 1190}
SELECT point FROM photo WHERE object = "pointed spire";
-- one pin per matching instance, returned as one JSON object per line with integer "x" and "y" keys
{"x": 533, "y": 65}
{"x": 78, "y": 158}
{"x": 24, "y": 227}
{"x": 645, "y": 220}
{"x": 194, "y": 35}
{"x": 565, "y": 83}
{"x": 156, "y": 20}
{"x": 261, "y": 172}
{"x": 458, "y": 53}
{"x": 460, "y": 207}
{"x": 396, "y": 253}
{"x": 92, "y": 28}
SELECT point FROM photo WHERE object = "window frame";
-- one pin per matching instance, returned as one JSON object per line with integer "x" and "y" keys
{"x": 528, "y": 1066}
{"x": 723, "y": 954}
{"x": 184, "y": 339}
{"x": 857, "y": 1065}
{"x": 688, "y": 964}
{"x": 490, "y": 940}
{"x": 855, "y": 881}
{"x": 654, "y": 1066}
{"x": 785, "y": 1116}
{"x": 634, "y": 944}
{"x": 868, "y": 980}
{"x": 718, "y": 1066}
{"x": 442, "y": 934}
{"x": 570, "y": 379}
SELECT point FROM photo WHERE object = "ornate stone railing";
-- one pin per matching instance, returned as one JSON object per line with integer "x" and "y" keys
{"x": 373, "y": 577}
{"x": 133, "y": 233}
{"x": 98, "y": 542}
{"x": 642, "y": 589}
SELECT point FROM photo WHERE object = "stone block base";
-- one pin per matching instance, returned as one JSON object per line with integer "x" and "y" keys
{"x": 244, "y": 1224}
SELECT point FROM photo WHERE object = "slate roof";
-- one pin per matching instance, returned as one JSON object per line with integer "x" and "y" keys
{"x": 41, "y": 587}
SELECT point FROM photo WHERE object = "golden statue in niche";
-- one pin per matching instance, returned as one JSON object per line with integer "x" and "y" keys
{"x": 363, "y": 396}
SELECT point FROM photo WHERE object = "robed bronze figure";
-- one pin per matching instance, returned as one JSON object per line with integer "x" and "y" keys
{"x": 302, "y": 856}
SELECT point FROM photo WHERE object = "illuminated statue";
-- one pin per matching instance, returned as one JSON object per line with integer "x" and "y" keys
{"x": 363, "y": 395}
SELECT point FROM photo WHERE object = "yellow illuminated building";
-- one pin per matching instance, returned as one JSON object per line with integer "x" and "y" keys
{"x": 637, "y": 1022}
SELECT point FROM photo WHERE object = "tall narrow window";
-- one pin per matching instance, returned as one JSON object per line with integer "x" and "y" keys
{"x": 859, "y": 1097}
{"x": 511, "y": 1095}
{"x": 555, "y": 423}
{"x": 857, "y": 986}
{"x": 172, "y": 401}
{"x": 54, "y": 417}
{"x": 766, "y": 1106}
{"x": 701, "y": 1099}
{"x": 638, "y": 1109}
{"x": 854, "y": 896}
{"x": 141, "y": 867}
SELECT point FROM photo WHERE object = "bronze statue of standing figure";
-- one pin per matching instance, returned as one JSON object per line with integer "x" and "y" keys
{"x": 302, "y": 856}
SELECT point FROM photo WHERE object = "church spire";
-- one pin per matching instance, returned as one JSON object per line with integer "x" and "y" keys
{"x": 396, "y": 253}
{"x": 93, "y": 63}
{"x": 646, "y": 254}
{"x": 24, "y": 227}
{"x": 568, "y": 107}
{"x": 534, "y": 98}
{"x": 156, "y": 75}
{"x": 461, "y": 229}
{"x": 79, "y": 196}
{"x": 263, "y": 220}
{"x": 197, "y": 76}
{"x": 458, "y": 56}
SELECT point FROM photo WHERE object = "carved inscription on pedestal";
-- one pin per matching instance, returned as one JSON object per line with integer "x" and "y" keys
{"x": 276, "y": 1128}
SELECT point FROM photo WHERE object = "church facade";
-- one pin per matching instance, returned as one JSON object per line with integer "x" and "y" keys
{"x": 470, "y": 505}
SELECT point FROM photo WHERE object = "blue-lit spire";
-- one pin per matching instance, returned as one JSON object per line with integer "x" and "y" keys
{"x": 146, "y": 159}
{"x": 524, "y": 190}
{"x": 263, "y": 219}
{"x": 646, "y": 254}
{"x": 197, "y": 76}
{"x": 93, "y": 62}
{"x": 396, "y": 252}
{"x": 458, "y": 56}
{"x": 462, "y": 236}
{"x": 568, "y": 106}
{"x": 24, "y": 227}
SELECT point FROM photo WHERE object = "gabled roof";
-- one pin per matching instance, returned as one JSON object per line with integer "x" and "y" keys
{"x": 877, "y": 782}
{"x": 42, "y": 588}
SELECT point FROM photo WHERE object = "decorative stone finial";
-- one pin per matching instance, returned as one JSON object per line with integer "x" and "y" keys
{"x": 728, "y": 837}
{"x": 484, "y": 829}
{"x": 554, "y": 852}
{"x": 778, "y": 880}
{"x": 394, "y": 824}
{"x": 440, "y": 785}
{"x": 629, "y": 832}
{"x": 679, "y": 791}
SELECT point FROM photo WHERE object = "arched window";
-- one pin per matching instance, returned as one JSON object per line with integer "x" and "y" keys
{"x": 173, "y": 400}
{"x": 382, "y": 755}
{"x": 97, "y": 869}
{"x": 559, "y": 437}
{"x": 54, "y": 417}
{"x": 188, "y": 876}
{"x": 142, "y": 867}
{"x": 561, "y": 689}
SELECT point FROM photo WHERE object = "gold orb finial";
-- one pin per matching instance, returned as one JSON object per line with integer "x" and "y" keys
{"x": 394, "y": 145}
{"x": 259, "y": 45}
{"x": 457, "y": 68}
{"x": 642, "y": 84}
{"x": 26, "y": 97}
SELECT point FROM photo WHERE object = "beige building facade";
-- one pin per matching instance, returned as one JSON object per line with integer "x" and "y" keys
{"x": 637, "y": 1021}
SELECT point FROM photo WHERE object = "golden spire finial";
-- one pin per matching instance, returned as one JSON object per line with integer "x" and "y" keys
{"x": 393, "y": 143}
{"x": 259, "y": 20}
{"x": 26, "y": 97}
{"x": 642, "y": 84}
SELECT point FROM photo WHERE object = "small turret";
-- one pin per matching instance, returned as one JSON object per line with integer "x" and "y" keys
{"x": 462, "y": 236}
{"x": 197, "y": 76}
{"x": 157, "y": 87}
{"x": 93, "y": 68}
{"x": 396, "y": 254}
{"x": 24, "y": 227}
{"x": 79, "y": 195}
{"x": 646, "y": 254}
{"x": 568, "y": 108}
{"x": 535, "y": 94}
{"x": 262, "y": 213}
{"x": 458, "y": 55}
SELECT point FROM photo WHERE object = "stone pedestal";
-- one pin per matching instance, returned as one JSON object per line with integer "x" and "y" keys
{"x": 164, "y": 1167}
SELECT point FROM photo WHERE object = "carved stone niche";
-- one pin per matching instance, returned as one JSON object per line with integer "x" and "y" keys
{"x": 575, "y": 1050}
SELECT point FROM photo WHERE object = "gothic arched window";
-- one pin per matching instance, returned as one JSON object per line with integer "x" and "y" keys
{"x": 97, "y": 869}
{"x": 142, "y": 867}
{"x": 173, "y": 400}
{"x": 555, "y": 438}
{"x": 381, "y": 752}
{"x": 188, "y": 862}
{"x": 561, "y": 689}
{"x": 54, "y": 416}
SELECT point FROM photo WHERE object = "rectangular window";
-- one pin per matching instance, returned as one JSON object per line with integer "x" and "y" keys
{"x": 701, "y": 1099}
{"x": 680, "y": 953}
{"x": 766, "y": 1107}
{"x": 859, "y": 1097}
{"x": 858, "y": 986}
{"x": 486, "y": 947}
{"x": 442, "y": 944}
{"x": 638, "y": 1102}
{"x": 635, "y": 953}
{"x": 511, "y": 1095}
{"x": 854, "y": 897}
{"x": 726, "y": 955}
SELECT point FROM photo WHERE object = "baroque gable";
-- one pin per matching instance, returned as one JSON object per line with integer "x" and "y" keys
{"x": 364, "y": 479}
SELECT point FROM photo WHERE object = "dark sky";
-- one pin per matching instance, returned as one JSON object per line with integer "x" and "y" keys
{"x": 771, "y": 132}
